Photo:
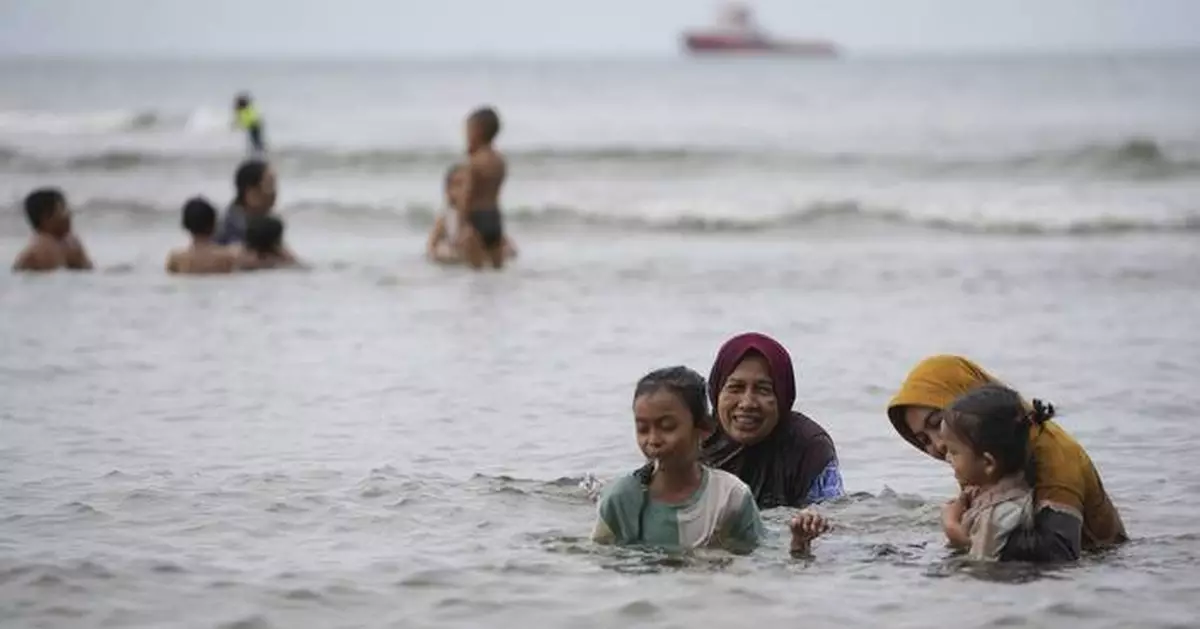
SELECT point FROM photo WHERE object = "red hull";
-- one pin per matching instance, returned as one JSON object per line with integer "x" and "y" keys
{"x": 717, "y": 43}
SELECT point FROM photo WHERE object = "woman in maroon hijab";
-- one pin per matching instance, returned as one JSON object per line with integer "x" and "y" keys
{"x": 786, "y": 458}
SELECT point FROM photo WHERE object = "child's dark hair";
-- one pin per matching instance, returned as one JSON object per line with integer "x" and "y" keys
{"x": 242, "y": 100}
{"x": 199, "y": 216}
{"x": 41, "y": 204}
{"x": 488, "y": 121}
{"x": 692, "y": 390}
{"x": 993, "y": 419}
{"x": 264, "y": 234}
{"x": 249, "y": 174}
{"x": 688, "y": 385}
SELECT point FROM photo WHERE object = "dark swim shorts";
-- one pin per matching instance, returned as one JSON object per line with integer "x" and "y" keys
{"x": 489, "y": 226}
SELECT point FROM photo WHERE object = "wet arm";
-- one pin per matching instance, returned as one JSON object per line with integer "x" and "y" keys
{"x": 247, "y": 261}
{"x": 608, "y": 520}
{"x": 1056, "y": 535}
{"x": 77, "y": 257}
{"x": 956, "y": 534}
{"x": 827, "y": 485}
{"x": 747, "y": 530}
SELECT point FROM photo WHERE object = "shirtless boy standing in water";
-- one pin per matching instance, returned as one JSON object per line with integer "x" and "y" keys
{"x": 479, "y": 208}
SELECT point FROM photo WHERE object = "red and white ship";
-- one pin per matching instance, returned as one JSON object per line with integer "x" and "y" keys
{"x": 737, "y": 33}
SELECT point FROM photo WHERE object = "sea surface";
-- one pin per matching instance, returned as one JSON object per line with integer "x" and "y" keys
{"x": 379, "y": 442}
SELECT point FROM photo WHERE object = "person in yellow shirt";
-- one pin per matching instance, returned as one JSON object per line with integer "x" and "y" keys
{"x": 1072, "y": 512}
{"x": 247, "y": 118}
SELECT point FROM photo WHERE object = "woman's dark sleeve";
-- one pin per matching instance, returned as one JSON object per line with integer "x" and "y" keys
{"x": 1056, "y": 535}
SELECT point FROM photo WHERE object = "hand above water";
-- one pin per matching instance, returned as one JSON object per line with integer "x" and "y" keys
{"x": 957, "y": 506}
{"x": 807, "y": 526}
{"x": 952, "y": 515}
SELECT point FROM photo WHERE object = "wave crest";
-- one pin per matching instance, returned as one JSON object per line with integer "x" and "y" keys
{"x": 1137, "y": 158}
{"x": 843, "y": 216}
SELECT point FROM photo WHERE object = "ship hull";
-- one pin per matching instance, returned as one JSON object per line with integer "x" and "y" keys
{"x": 717, "y": 44}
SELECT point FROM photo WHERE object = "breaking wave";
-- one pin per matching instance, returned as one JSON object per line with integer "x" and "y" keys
{"x": 1138, "y": 158}
{"x": 844, "y": 216}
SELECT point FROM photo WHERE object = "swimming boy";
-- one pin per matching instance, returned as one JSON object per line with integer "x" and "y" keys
{"x": 255, "y": 189}
{"x": 246, "y": 117}
{"x": 203, "y": 256}
{"x": 479, "y": 209}
{"x": 52, "y": 246}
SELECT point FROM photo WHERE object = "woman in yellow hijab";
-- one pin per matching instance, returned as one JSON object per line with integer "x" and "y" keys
{"x": 1073, "y": 511}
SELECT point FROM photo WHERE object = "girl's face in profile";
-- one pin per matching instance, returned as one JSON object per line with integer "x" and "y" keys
{"x": 970, "y": 467}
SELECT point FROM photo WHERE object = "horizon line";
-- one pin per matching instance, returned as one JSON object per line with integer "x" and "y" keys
{"x": 542, "y": 56}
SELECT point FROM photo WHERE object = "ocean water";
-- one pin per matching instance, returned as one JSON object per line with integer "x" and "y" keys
{"x": 383, "y": 443}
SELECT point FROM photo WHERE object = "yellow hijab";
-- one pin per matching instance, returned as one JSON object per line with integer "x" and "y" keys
{"x": 935, "y": 383}
{"x": 1066, "y": 477}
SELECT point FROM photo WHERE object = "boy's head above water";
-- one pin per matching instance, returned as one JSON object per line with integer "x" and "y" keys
{"x": 199, "y": 217}
{"x": 986, "y": 434}
{"x": 483, "y": 125}
{"x": 46, "y": 209}
{"x": 264, "y": 234}
{"x": 670, "y": 412}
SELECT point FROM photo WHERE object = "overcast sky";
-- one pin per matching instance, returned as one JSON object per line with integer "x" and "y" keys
{"x": 417, "y": 28}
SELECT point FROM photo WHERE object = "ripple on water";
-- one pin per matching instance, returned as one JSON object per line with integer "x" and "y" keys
{"x": 639, "y": 609}
{"x": 167, "y": 567}
{"x": 255, "y": 621}
{"x": 431, "y": 578}
{"x": 1009, "y": 620}
{"x": 303, "y": 594}
{"x": 1073, "y": 610}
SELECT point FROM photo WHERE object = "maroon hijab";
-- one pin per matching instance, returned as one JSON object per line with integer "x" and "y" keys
{"x": 781, "y": 468}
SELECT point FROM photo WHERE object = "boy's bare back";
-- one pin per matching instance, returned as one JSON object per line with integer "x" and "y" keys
{"x": 202, "y": 260}
{"x": 46, "y": 253}
{"x": 43, "y": 253}
{"x": 486, "y": 169}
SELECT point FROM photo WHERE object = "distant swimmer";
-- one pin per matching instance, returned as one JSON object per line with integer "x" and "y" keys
{"x": 479, "y": 207}
{"x": 263, "y": 247}
{"x": 444, "y": 246}
{"x": 255, "y": 193}
{"x": 204, "y": 256}
{"x": 247, "y": 118}
{"x": 52, "y": 245}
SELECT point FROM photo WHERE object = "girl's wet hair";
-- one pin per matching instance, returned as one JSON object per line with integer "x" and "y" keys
{"x": 686, "y": 384}
{"x": 993, "y": 419}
